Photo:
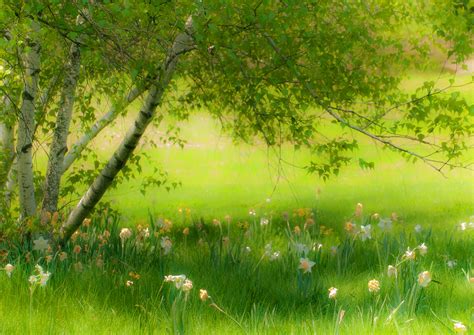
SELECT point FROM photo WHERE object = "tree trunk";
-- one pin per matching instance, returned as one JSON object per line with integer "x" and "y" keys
{"x": 61, "y": 132}
{"x": 26, "y": 126}
{"x": 182, "y": 44}
{"x": 7, "y": 155}
{"x": 103, "y": 122}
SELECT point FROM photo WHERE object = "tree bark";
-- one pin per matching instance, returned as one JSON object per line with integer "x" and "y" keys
{"x": 61, "y": 132}
{"x": 103, "y": 122}
{"x": 26, "y": 126}
{"x": 182, "y": 44}
{"x": 7, "y": 156}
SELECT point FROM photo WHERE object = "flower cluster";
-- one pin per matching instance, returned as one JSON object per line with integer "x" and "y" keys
{"x": 40, "y": 278}
{"x": 180, "y": 282}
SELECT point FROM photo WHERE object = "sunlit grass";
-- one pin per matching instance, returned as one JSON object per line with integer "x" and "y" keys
{"x": 220, "y": 178}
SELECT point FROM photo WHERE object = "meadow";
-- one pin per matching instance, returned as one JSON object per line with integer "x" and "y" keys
{"x": 277, "y": 251}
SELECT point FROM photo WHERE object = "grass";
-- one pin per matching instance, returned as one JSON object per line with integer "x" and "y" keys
{"x": 264, "y": 297}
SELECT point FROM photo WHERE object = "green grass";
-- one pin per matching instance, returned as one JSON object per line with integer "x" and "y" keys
{"x": 220, "y": 178}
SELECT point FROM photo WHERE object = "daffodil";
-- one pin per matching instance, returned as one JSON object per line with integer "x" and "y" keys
{"x": 166, "y": 244}
{"x": 306, "y": 265}
{"x": 9, "y": 269}
{"x": 203, "y": 295}
{"x": 424, "y": 278}
{"x": 125, "y": 234}
{"x": 392, "y": 271}
{"x": 358, "y": 210}
{"x": 374, "y": 286}
{"x": 40, "y": 244}
{"x": 385, "y": 225}
{"x": 409, "y": 254}
{"x": 187, "y": 285}
{"x": 459, "y": 328}
{"x": 423, "y": 249}
{"x": 365, "y": 232}
{"x": 332, "y": 293}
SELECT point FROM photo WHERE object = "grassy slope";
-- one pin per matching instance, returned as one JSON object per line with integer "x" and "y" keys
{"x": 218, "y": 179}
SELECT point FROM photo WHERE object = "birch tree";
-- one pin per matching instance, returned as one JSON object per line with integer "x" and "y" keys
{"x": 26, "y": 125}
{"x": 278, "y": 71}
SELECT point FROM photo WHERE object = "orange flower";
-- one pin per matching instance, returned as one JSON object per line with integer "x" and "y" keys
{"x": 77, "y": 249}
{"x": 297, "y": 230}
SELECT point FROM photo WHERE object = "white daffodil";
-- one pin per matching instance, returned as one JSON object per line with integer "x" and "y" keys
{"x": 125, "y": 234}
{"x": 392, "y": 271}
{"x": 306, "y": 265}
{"x": 166, "y": 244}
{"x": 423, "y": 249}
{"x": 40, "y": 244}
{"x": 459, "y": 328}
{"x": 9, "y": 269}
{"x": 385, "y": 225}
{"x": 410, "y": 254}
{"x": 365, "y": 232}
{"x": 424, "y": 278}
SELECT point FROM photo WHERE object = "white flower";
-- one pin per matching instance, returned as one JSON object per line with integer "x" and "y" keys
{"x": 178, "y": 280}
{"x": 332, "y": 293}
{"x": 9, "y": 269}
{"x": 392, "y": 271}
{"x": 187, "y": 285}
{"x": 317, "y": 246}
{"x": 166, "y": 244}
{"x": 33, "y": 280}
{"x": 423, "y": 249}
{"x": 252, "y": 212}
{"x": 424, "y": 278}
{"x": 374, "y": 286}
{"x": 385, "y": 225}
{"x": 44, "y": 277}
{"x": 268, "y": 250}
{"x": 264, "y": 221}
{"x": 409, "y": 254}
{"x": 418, "y": 228}
{"x": 451, "y": 263}
{"x": 275, "y": 256}
{"x": 365, "y": 232}
{"x": 306, "y": 265}
{"x": 459, "y": 328}
{"x": 463, "y": 226}
{"x": 40, "y": 244}
{"x": 301, "y": 248}
{"x": 248, "y": 249}
{"x": 125, "y": 234}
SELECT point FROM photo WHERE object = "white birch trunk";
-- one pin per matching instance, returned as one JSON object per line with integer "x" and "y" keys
{"x": 61, "y": 132}
{"x": 26, "y": 126}
{"x": 182, "y": 44}
{"x": 7, "y": 156}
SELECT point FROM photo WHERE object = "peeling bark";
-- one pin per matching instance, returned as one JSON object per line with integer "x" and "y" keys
{"x": 61, "y": 132}
{"x": 182, "y": 44}
{"x": 26, "y": 127}
{"x": 7, "y": 155}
